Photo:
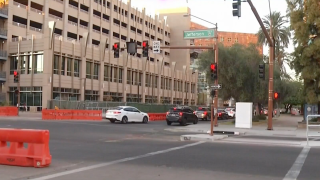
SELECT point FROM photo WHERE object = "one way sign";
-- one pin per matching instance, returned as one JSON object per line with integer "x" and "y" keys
{"x": 156, "y": 47}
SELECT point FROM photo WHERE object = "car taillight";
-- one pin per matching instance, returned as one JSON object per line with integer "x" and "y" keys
{"x": 219, "y": 114}
{"x": 116, "y": 112}
{"x": 180, "y": 113}
{"x": 167, "y": 113}
{"x": 205, "y": 113}
{"x": 194, "y": 112}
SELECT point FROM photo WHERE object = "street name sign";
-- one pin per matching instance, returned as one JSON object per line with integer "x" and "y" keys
{"x": 199, "y": 34}
{"x": 156, "y": 47}
{"x": 219, "y": 86}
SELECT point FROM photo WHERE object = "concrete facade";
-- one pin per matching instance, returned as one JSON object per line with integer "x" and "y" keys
{"x": 82, "y": 58}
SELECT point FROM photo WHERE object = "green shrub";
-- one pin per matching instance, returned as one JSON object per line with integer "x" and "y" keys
{"x": 4, "y": 104}
{"x": 255, "y": 119}
{"x": 314, "y": 120}
{"x": 262, "y": 117}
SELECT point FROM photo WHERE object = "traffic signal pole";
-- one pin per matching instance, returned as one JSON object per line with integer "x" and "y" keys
{"x": 271, "y": 62}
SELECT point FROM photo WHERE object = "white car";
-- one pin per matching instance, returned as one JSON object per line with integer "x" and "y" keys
{"x": 231, "y": 112}
{"x": 125, "y": 114}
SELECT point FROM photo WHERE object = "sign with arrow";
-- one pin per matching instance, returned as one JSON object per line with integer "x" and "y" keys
{"x": 156, "y": 47}
{"x": 218, "y": 86}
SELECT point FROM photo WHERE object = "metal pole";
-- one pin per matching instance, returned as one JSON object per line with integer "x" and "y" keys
{"x": 19, "y": 75}
{"x": 271, "y": 61}
{"x": 52, "y": 73}
{"x": 216, "y": 58}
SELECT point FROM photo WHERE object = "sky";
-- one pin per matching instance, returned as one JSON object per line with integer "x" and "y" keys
{"x": 220, "y": 11}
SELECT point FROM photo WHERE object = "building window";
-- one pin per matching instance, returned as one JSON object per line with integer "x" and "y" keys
{"x": 236, "y": 40}
{"x": 128, "y": 76}
{"x": 107, "y": 73}
{"x": 229, "y": 39}
{"x": 88, "y": 70}
{"x": 13, "y": 64}
{"x": 69, "y": 66}
{"x": 120, "y": 75}
{"x": 96, "y": 71}
{"x": 29, "y": 96}
{"x": 55, "y": 64}
{"x": 76, "y": 70}
{"x": 221, "y": 39}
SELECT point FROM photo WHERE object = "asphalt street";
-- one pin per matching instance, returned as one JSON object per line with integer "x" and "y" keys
{"x": 101, "y": 150}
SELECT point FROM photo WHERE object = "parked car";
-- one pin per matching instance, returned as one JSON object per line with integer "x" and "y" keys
{"x": 265, "y": 112}
{"x": 182, "y": 115}
{"x": 203, "y": 113}
{"x": 125, "y": 114}
{"x": 222, "y": 114}
{"x": 231, "y": 112}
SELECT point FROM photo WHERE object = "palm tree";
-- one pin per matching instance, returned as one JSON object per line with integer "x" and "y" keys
{"x": 281, "y": 34}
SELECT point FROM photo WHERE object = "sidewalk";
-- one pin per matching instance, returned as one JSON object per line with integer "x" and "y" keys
{"x": 285, "y": 125}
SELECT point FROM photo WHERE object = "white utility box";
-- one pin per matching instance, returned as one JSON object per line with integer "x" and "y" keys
{"x": 243, "y": 117}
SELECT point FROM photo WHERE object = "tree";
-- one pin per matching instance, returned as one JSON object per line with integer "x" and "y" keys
{"x": 237, "y": 71}
{"x": 281, "y": 35}
{"x": 305, "y": 18}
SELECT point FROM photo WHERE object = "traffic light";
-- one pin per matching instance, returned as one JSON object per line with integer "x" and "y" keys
{"x": 214, "y": 71}
{"x": 276, "y": 95}
{"x": 236, "y": 5}
{"x": 262, "y": 69}
{"x": 116, "y": 50}
{"x": 145, "y": 48}
{"x": 15, "y": 76}
{"x": 212, "y": 93}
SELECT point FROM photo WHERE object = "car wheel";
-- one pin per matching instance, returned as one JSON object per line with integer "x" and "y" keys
{"x": 195, "y": 121}
{"x": 183, "y": 122}
{"x": 124, "y": 120}
{"x": 145, "y": 120}
{"x": 112, "y": 121}
{"x": 168, "y": 123}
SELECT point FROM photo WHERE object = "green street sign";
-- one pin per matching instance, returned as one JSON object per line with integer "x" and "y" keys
{"x": 199, "y": 34}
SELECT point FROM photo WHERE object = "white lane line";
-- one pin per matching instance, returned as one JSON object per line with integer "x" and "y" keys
{"x": 115, "y": 162}
{"x": 294, "y": 171}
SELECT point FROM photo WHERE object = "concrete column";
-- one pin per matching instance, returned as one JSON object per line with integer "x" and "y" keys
{"x": 65, "y": 19}
{"x": 124, "y": 83}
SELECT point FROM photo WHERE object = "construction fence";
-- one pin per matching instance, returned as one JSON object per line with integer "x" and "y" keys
{"x": 104, "y": 106}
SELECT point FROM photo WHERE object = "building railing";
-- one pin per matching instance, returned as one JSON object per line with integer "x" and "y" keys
{"x": 84, "y": 11}
{"x": 35, "y": 29}
{"x": 59, "y": 1}
{"x": 3, "y": 32}
{"x": 3, "y": 53}
{"x": 73, "y": 23}
{"x": 103, "y": 33}
{"x": 72, "y": 6}
{"x": 20, "y": 5}
{"x": 3, "y": 75}
{"x": 84, "y": 27}
{"x": 55, "y": 17}
{"x": 96, "y": 16}
{"x": 19, "y": 24}
{"x": 4, "y": 11}
{"x": 36, "y": 11}
{"x": 96, "y": 31}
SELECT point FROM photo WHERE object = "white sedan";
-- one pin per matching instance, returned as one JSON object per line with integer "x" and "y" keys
{"x": 125, "y": 114}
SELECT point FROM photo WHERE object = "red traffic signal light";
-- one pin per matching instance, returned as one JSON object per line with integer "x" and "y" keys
{"x": 115, "y": 46}
{"x": 15, "y": 73}
{"x": 144, "y": 44}
{"x": 213, "y": 67}
{"x": 276, "y": 95}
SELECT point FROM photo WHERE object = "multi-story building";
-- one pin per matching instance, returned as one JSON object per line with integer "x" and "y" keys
{"x": 74, "y": 60}
{"x": 227, "y": 38}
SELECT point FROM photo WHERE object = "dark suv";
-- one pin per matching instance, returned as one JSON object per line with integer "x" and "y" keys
{"x": 203, "y": 113}
{"x": 182, "y": 115}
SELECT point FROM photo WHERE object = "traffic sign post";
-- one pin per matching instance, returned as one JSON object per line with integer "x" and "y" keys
{"x": 218, "y": 86}
{"x": 199, "y": 34}
{"x": 156, "y": 47}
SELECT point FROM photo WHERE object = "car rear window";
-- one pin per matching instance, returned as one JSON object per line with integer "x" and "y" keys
{"x": 175, "y": 110}
{"x": 118, "y": 108}
{"x": 202, "y": 109}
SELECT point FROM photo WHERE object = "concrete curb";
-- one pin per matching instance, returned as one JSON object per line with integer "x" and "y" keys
{"x": 202, "y": 137}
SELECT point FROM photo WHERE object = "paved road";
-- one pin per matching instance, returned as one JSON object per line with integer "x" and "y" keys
{"x": 101, "y": 150}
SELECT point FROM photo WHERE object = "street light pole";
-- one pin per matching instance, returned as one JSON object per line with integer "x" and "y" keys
{"x": 214, "y": 117}
{"x": 271, "y": 61}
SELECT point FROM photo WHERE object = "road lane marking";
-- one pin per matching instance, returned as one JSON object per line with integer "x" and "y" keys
{"x": 295, "y": 169}
{"x": 115, "y": 162}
